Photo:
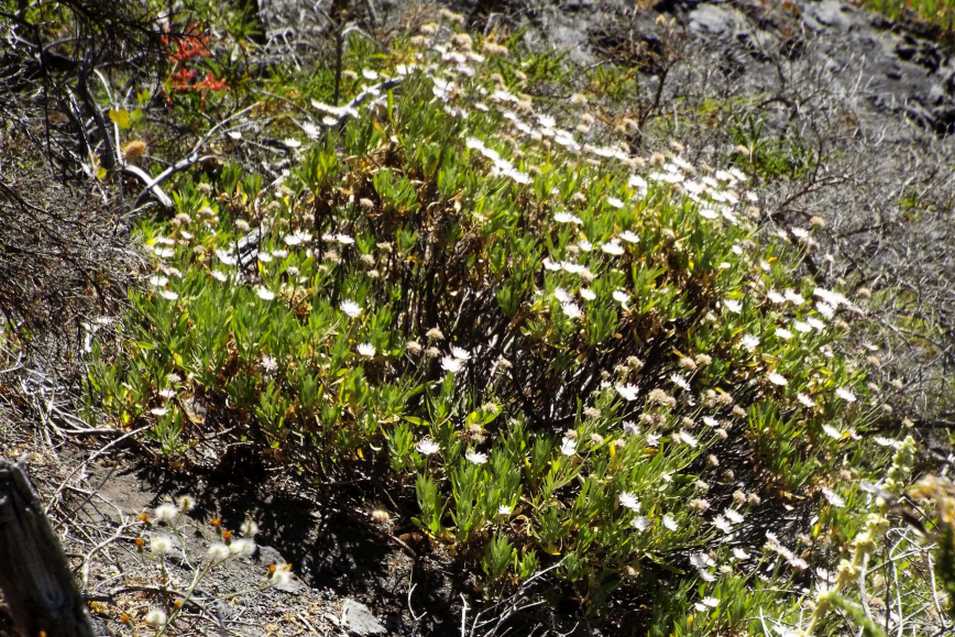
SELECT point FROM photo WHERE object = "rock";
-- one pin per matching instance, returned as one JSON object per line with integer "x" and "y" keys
{"x": 712, "y": 20}
{"x": 357, "y": 619}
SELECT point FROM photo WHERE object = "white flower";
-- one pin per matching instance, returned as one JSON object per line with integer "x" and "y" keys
{"x": 739, "y": 553}
{"x": 777, "y": 379}
{"x": 427, "y": 447}
{"x": 620, "y": 297}
{"x": 587, "y": 294}
{"x": 629, "y": 501}
{"x": 846, "y": 394}
{"x": 350, "y": 308}
{"x": 451, "y": 364}
{"x": 687, "y": 438}
{"x": 158, "y": 281}
{"x": 568, "y": 446}
{"x": 475, "y": 457}
{"x": 220, "y": 276}
{"x": 160, "y": 544}
{"x": 504, "y": 509}
{"x": 562, "y": 295}
{"x": 826, "y": 310}
{"x": 750, "y": 342}
{"x": 795, "y": 297}
{"x": 243, "y": 547}
{"x": 281, "y": 576}
{"x": 640, "y": 523}
{"x": 629, "y": 237}
{"x": 159, "y": 411}
{"x": 832, "y": 432}
{"x": 225, "y": 257}
{"x": 670, "y": 523}
{"x": 733, "y": 516}
{"x": 169, "y": 295}
{"x": 571, "y": 310}
{"x": 366, "y": 349}
{"x": 566, "y": 217}
{"x": 829, "y": 297}
{"x": 612, "y": 248}
{"x": 155, "y": 618}
{"x": 249, "y": 528}
{"x": 805, "y": 400}
{"x": 166, "y": 512}
{"x": 680, "y": 382}
{"x": 613, "y": 202}
{"x": 218, "y": 552}
{"x": 264, "y": 293}
{"x": 269, "y": 364}
{"x": 628, "y": 392}
{"x": 776, "y": 297}
{"x": 783, "y": 333}
{"x": 723, "y": 524}
{"x": 833, "y": 498}
{"x": 705, "y": 604}
{"x": 733, "y": 305}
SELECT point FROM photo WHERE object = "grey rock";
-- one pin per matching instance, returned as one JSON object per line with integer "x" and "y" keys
{"x": 358, "y": 619}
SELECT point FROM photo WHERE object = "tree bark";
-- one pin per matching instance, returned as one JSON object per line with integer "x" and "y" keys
{"x": 34, "y": 575}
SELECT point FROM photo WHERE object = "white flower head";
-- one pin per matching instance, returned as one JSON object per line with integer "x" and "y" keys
{"x": 281, "y": 576}
{"x": 612, "y": 248}
{"x": 629, "y": 501}
{"x": 160, "y": 544}
{"x": 669, "y": 522}
{"x": 805, "y": 400}
{"x": 846, "y": 394}
{"x": 476, "y": 457}
{"x": 350, "y": 308}
{"x": 366, "y": 349}
{"x": 427, "y": 447}
{"x": 249, "y": 528}
{"x": 264, "y": 293}
{"x": 166, "y": 512}
{"x": 155, "y": 618}
{"x": 833, "y": 498}
{"x": 451, "y": 364}
{"x": 568, "y": 446}
{"x": 243, "y": 547}
{"x": 777, "y": 379}
{"x": 566, "y": 217}
{"x": 218, "y": 552}
{"x": 750, "y": 342}
{"x": 628, "y": 392}
{"x": 733, "y": 305}
{"x": 571, "y": 310}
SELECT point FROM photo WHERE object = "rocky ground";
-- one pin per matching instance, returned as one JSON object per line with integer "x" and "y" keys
{"x": 871, "y": 103}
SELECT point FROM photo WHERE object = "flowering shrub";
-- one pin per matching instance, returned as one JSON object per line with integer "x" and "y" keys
{"x": 556, "y": 350}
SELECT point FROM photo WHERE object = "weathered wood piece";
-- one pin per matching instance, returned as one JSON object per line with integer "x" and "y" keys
{"x": 34, "y": 575}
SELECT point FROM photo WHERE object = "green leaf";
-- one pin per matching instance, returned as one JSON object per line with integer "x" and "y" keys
{"x": 120, "y": 117}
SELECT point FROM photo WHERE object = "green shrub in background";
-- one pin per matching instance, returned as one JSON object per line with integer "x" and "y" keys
{"x": 559, "y": 351}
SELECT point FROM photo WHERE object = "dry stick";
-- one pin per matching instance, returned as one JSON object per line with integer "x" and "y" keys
{"x": 152, "y": 183}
